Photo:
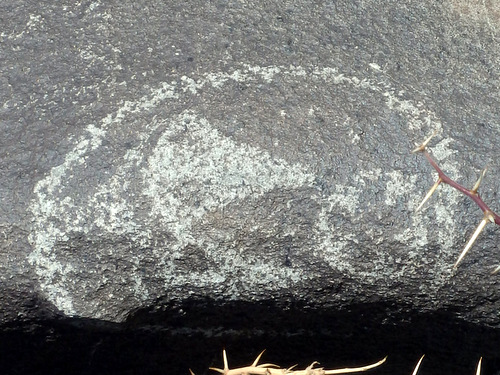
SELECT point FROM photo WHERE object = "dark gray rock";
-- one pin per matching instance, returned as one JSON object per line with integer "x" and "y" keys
{"x": 244, "y": 151}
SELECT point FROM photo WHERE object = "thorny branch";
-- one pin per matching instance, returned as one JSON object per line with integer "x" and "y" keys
{"x": 488, "y": 214}
{"x": 270, "y": 369}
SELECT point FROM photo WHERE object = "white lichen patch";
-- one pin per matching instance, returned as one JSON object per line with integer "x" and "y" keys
{"x": 396, "y": 186}
{"x": 192, "y": 159}
{"x": 333, "y": 241}
{"x": 266, "y": 72}
{"x": 441, "y": 152}
{"x": 418, "y": 116}
{"x": 369, "y": 176}
{"x": 34, "y": 21}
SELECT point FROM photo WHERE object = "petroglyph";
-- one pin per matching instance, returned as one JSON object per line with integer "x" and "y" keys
{"x": 142, "y": 185}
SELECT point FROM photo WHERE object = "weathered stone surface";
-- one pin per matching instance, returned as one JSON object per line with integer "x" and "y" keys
{"x": 244, "y": 151}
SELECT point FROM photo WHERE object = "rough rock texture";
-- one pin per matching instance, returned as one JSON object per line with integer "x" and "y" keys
{"x": 245, "y": 151}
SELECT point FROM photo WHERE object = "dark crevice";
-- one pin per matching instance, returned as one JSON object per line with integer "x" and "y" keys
{"x": 177, "y": 336}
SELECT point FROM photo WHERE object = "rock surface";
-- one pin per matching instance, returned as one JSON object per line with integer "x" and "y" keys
{"x": 245, "y": 151}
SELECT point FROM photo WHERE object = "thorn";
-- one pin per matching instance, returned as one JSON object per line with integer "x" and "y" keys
{"x": 264, "y": 365}
{"x": 290, "y": 368}
{"x": 424, "y": 143}
{"x": 478, "y": 371}
{"x": 487, "y": 217}
{"x": 258, "y": 358}
{"x": 354, "y": 369}
{"x": 476, "y": 186}
{"x": 191, "y": 372}
{"x": 418, "y": 365}
{"x": 429, "y": 193}
{"x": 312, "y": 365}
{"x": 226, "y": 366}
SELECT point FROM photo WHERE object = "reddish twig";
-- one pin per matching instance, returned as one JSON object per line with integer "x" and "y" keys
{"x": 488, "y": 214}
